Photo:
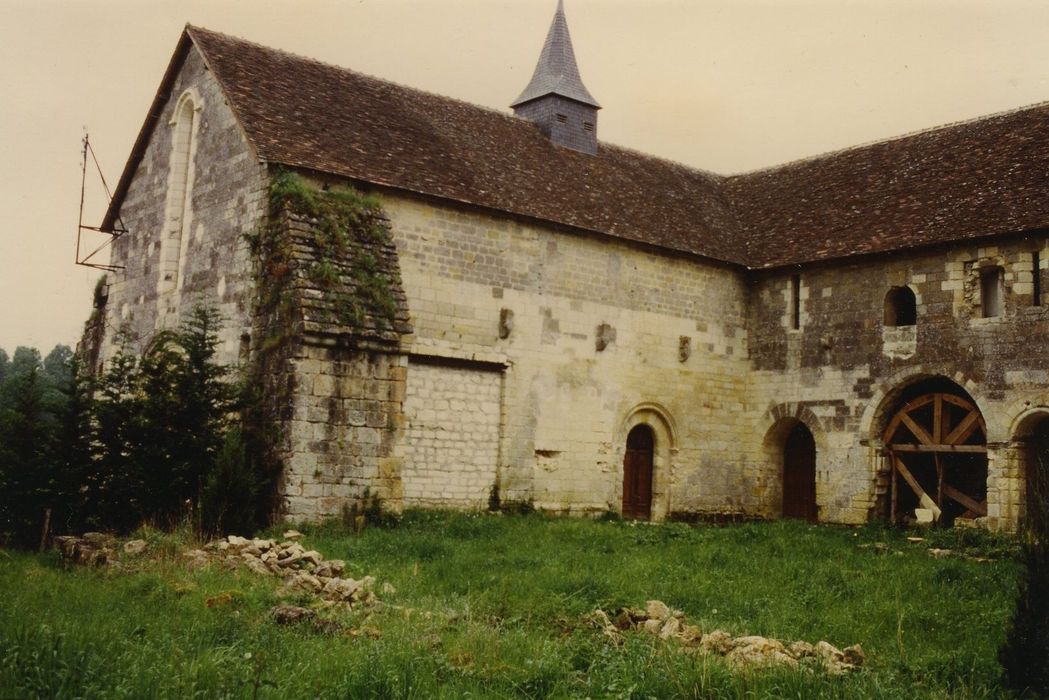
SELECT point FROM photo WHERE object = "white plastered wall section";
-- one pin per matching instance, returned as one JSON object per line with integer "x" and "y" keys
{"x": 566, "y": 405}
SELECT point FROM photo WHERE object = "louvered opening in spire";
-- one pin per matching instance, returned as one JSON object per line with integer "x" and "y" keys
{"x": 556, "y": 99}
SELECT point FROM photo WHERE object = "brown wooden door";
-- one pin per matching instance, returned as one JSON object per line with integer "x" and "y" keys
{"x": 637, "y": 474}
{"x": 799, "y": 475}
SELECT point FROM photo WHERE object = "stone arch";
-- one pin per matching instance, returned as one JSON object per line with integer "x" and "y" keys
{"x": 934, "y": 458}
{"x": 664, "y": 431}
{"x": 783, "y": 417}
{"x": 1028, "y": 431}
{"x": 783, "y": 421}
{"x": 888, "y": 392}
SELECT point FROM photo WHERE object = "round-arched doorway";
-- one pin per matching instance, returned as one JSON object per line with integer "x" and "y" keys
{"x": 799, "y": 475}
{"x": 637, "y": 473}
{"x": 1033, "y": 439}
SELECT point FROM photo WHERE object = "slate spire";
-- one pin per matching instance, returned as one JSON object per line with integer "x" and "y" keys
{"x": 556, "y": 99}
{"x": 557, "y": 72}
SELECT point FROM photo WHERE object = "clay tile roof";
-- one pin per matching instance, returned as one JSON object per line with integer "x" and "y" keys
{"x": 958, "y": 182}
{"x": 963, "y": 181}
{"x": 304, "y": 113}
{"x": 557, "y": 72}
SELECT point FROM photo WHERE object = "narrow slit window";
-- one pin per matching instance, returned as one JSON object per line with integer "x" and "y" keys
{"x": 795, "y": 302}
{"x": 991, "y": 292}
{"x": 588, "y": 126}
{"x": 1036, "y": 279}
{"x": 562, "y": 118}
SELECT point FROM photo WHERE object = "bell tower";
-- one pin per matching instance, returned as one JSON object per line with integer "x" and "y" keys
{"x": 556, "y": 99}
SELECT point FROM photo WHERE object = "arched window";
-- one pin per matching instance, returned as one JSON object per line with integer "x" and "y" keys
{"x": 900, "y": 307}
{"x": 175, "y": 234}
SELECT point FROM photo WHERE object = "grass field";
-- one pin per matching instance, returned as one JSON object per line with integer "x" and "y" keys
{"x": 495, "y": 606}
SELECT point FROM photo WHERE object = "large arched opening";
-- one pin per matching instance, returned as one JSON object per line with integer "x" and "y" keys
{"x": 1032, "y": 439}
{"x": 935, "y": 447}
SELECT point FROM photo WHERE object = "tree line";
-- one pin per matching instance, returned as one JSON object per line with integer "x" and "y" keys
{"x": 153, "y": 438}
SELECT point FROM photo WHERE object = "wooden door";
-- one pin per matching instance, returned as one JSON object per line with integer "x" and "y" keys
{"x": 637, "y": 473}
{"x": 799, "y": 475}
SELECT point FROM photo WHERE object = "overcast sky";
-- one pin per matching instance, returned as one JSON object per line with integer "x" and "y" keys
{"x": 722, "y": 85}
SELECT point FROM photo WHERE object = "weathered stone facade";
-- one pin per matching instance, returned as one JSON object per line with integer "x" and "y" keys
{"x": 523, "y": 351}
{"x": 843, "y": 368}
{"x": 225, "y": 200}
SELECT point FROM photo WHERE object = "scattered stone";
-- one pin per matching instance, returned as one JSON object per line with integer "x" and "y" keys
{"x": 671, "y": 628}
{"x": 939, "y": 553}
{"x": 326, "y": 626}
{"x": 224, "y": 598}
{"x": 656, "y": 610}
{"x": 755, "y": 651}
{"x": 291, "y": 614}
{"x": 916, "y": 539}
{"x": 742, "y": 652}
{"x": 86, "y": 551}
{"x": 257, "y": 566}
{"x": 197, "y": 558}
{"x": 652, "y": 625}
{"x": 97, "y": 539}
{"x": 301, "y": 570}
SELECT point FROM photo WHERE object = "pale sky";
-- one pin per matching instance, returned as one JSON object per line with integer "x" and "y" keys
{"x": 722, "y": 85}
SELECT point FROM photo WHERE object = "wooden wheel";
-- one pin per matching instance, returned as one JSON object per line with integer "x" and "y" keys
{"x": 937, "y": 444}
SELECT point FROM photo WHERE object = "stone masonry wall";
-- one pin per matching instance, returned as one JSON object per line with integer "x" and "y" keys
{"x": 450, "y": 448}
{"x": 345, "y": 418}
{"x": 228, "y": 200}
{"x": 595, "y": 334}
{"x": 840, "y": 372}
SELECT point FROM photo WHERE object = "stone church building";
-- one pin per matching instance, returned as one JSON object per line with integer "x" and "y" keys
{"x": 587, "y": 328}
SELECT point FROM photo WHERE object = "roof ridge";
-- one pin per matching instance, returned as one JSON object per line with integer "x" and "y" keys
{"x": 446, "y": 98}
{"x": 804, "y": 160}
{"x": 368, "y": 76}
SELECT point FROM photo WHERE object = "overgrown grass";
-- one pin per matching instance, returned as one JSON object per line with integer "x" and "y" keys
{"x": 493, "y": 606}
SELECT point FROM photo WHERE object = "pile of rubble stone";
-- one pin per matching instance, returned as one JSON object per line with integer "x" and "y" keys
{"x": 752, "y": 651}
{"x": 300, "y": 569}
{"x": 96, "y": 549}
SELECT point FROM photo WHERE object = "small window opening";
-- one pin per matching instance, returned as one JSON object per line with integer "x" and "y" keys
{"x": 991, "y": 292}
{"x": 1036, "y": 279}
{"x": 900, "y": 307}
{"x": 563, "y": 118}
{"x": 795, "y": 302}
{"x": 245, "y": 347}
{"x": 588, "y": 126}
